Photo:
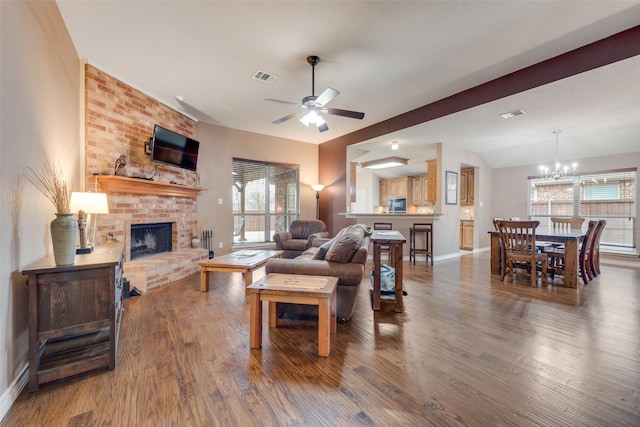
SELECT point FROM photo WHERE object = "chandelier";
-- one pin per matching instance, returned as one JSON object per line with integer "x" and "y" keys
{"x": 559, "y": 171}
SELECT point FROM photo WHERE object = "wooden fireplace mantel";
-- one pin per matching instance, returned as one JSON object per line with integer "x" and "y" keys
{"x": 121, "y": 184}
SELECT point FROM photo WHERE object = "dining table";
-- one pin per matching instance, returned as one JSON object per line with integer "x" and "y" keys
{"x": 570, "y": 239}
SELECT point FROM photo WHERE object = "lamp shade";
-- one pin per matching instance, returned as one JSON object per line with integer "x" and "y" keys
{"x": 317, "y": 187}
{"x": 93, "y": 203}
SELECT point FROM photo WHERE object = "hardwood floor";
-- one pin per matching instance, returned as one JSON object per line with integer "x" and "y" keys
{"x": 469, "y": 350}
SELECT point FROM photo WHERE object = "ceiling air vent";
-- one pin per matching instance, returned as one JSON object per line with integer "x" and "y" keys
{"x": 512, "y": 114}
{"x": 264, "y": 76}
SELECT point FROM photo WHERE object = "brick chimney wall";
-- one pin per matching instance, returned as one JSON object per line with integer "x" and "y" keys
{"x": 118, "y": 121}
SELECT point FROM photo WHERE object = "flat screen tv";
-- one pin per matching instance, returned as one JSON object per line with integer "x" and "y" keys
{"x": 173, "y": 149}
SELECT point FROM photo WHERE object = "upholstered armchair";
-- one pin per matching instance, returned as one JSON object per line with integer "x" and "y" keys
{"x": 300, "y": 236}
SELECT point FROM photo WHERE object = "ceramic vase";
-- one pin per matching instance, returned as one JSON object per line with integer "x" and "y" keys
{"x": 195, "y": 242}
{"x": 64, "y": 234}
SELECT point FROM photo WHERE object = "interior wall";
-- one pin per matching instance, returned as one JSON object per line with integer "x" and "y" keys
{"x": 40, "y": 110}
{"x": 218, "y": 147}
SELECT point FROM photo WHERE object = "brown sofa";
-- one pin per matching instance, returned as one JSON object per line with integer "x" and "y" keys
{"x": 344, "y": 257}
{"x": 300, "y": 236}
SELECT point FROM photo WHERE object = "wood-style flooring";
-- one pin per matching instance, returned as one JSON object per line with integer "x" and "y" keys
{"x": 469, "y": 350}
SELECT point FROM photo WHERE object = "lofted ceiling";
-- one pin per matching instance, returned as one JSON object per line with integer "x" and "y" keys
{"x": 385, "y": 57}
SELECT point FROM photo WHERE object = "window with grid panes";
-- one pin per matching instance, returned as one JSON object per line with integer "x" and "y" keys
{"x": 265, "y": 199}
{"x": 609, "y": 195}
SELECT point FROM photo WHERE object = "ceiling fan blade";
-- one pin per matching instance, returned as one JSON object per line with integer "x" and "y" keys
{"x": 345, "y": 113}
{"x": 323, "y": 127}
{"x": 326, "y": 96}
{"x": 282, "y": 102}
{"x": 285, "y": 118}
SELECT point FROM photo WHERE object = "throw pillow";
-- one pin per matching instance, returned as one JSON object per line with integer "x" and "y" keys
{"x": 322, "y": 249}
{"x": 347, "y": 242}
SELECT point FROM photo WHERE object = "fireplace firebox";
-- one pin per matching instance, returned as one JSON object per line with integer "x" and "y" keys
{"x": 150, "y": 239}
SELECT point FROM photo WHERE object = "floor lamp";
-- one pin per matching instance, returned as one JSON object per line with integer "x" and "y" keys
{"x": 317, "y": 188}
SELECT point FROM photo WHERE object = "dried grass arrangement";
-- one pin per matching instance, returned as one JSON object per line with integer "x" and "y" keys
{"x": 51, "y": 181}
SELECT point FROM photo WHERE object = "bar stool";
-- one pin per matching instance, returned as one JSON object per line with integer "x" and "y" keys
{"x": 384, "y": 226}
{"x": 427, "y": 229}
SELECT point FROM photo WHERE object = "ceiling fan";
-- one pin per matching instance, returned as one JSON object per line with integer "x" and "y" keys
{"x": 315, "y": 105}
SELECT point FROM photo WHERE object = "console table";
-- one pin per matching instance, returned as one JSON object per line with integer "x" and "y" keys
{"x": 74, "y": 314}
{"x": 394, "y": 240}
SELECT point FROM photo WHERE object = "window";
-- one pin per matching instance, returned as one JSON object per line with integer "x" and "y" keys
{"x": 265, "y": 200}
{"x": 609, "y": 195}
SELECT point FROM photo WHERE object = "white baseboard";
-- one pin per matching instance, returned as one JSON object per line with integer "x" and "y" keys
{"x": 11, "y": 394}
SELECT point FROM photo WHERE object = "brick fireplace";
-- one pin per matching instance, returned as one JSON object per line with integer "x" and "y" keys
{"x": 130, "y": 207}
{"x": 119, "y": 119}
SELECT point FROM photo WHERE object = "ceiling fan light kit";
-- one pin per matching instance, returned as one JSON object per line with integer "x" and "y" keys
{"x": 314, "y": 105}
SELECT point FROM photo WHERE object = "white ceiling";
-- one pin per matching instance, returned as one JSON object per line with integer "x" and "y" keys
{"x": 385, "y": 57}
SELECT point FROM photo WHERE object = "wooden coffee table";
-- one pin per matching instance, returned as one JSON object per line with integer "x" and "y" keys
{"x": 296, "y": 289}
{"x": 244, "y": 262}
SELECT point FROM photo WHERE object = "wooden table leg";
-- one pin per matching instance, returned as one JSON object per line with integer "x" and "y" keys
{"x": 204, "y": 279}
{"x": 396, "y": 251}
{"x": 273, "y": 314}
{"x": 248, "y": 279}
{"x": 334, "y": 311}
{"x": 255, "y": 320}
{"x": 571, "y": 263}
{"x": 495, "y": 254}
{"x": 376, "y": 276}
{"x": 324, "y": 320}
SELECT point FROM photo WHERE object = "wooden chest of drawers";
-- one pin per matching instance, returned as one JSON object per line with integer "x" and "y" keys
{"x": 74, "y": 314}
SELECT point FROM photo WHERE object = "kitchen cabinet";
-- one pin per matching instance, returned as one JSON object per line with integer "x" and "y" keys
{"x": 466, "y": 234}
{"x": 432, "y": 180}
{"x": 384, "y": 192}
{"x": 467, "y": 186}
{"x": 393, "y": 187}
{"x": 398, "y": 186}
{"x": 420, "y": 190}
{"x": 74, "y": 314}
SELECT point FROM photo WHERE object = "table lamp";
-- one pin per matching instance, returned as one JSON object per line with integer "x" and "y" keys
{"x": 88, "y": 205}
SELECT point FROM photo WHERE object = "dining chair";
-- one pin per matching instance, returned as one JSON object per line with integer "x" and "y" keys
{"x": 595, "y": 247}
{"x": 557, "y": 256}
{"x": 567, "y": 223}
{"x": 517, "y": 239}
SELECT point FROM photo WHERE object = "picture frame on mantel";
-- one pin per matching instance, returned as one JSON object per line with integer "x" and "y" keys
{"x": 451, "y": 185}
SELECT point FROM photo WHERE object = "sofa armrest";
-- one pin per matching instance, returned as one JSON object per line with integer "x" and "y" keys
{"x": 314, "y": 236}
{"x": 319, "y": 241}
{"x": 279, "y": 237}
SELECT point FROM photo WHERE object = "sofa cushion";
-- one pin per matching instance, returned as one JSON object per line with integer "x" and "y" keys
{"x": 346, "y": 243}
{"x": 321, "y": 252}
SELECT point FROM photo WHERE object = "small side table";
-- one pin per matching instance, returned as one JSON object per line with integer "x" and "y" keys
{"x": 296, "y": 289}
{"x": 394, "y": 240}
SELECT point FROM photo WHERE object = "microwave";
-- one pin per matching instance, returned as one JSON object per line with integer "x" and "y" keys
{"x": 397, "y": 204}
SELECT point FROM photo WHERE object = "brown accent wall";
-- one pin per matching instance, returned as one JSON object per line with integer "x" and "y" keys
{"x": 332, "y": 154}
